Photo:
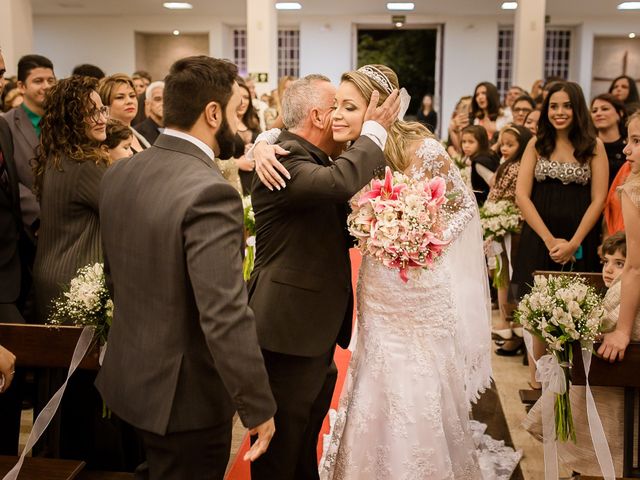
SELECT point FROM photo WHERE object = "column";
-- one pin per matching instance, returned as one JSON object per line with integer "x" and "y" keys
{"x": 529, "y": 40}
{"x": 262, "y": 42}
{"x": 16, "y": 32}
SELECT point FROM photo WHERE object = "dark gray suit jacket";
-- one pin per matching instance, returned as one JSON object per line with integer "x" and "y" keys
{"x": 25, "y": 141}
{"x": 183, "y": 352}
{"x": 10, "y": 225}
{"x": 300, "y": 288}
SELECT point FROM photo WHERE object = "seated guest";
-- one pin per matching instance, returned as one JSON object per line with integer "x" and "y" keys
{"x": 150, "y": 127}
{"x": 580, "y": 456}
{"x": 88, "y": 70}
{"x": 68, "y": 171}
{"x": 531, "y": 121}
{"x": 118, "y": 142}
{"x": 118, "y": 93}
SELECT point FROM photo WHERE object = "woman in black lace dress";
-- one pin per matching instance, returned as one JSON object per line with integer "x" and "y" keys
{"x": 561, "y": 190}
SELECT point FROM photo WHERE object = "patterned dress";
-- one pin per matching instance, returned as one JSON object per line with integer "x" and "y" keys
{"x": 404, "y": 413}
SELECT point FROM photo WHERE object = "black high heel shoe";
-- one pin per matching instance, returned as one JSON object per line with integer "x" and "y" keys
{"x": 513, "y": 351}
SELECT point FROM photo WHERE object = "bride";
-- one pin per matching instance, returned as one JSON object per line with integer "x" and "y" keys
{"x": 423, "y": 347}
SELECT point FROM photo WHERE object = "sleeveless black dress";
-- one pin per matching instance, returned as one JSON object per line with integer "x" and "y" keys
{"x": 561, "y": 194}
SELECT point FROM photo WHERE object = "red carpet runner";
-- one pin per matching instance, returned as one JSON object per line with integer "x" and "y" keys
{"x": 240, "y": 469}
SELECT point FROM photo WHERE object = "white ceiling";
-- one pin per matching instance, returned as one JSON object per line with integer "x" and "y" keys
{"x": 559, "y": 8}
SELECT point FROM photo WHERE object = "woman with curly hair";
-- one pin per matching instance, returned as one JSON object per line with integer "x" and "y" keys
{"x": 68, "y": 169}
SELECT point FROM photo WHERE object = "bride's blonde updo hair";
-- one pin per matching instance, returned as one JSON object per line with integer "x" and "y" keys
{"x": 401, "y": 134}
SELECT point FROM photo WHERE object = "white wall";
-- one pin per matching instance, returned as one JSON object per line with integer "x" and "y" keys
{"x": 469, "y": 44}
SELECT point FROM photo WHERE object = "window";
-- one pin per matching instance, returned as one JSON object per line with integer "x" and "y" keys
{"x": 240, "y": 50}
{"x": 505, "y": 60}
{"x": 557, "y": 56}
{"x": 288, "y": 51}
{"x": 556, "y": 53}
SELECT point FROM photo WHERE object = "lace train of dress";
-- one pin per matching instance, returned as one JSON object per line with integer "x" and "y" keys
{"x": 404, "y": 412}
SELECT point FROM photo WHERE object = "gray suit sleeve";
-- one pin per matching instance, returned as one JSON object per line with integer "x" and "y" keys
{"x": 212, "y": 230}
{"x": 338, "y": 182}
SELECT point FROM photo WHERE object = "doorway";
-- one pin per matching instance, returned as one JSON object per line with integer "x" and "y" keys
{"x": 412, "y": 53}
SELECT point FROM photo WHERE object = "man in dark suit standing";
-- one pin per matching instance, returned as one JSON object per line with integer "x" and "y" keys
{"x": 151, "y": 126}
{"x": 183, "y": 354}
{"x": 300, "y": 289}
{"x": 13, "y": 284}
{"x": 35, "y": 78}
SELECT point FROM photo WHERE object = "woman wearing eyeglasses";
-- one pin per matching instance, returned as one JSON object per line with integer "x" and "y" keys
{"x": 68, "y": 170}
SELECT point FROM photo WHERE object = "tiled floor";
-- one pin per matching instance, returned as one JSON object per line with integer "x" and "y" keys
{"x": 509, "y": 375}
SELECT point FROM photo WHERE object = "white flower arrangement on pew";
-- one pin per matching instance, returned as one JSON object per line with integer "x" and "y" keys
{"x": 561, "y": 310}
{"x": 498, "y": 219}
{"x": 86, "y": 302}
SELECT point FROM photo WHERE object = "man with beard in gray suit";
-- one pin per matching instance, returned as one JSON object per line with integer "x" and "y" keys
{"x": 183, "y": 353}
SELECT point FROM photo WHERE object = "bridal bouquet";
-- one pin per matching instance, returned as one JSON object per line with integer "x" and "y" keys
{"x": 86, "y": 302}
{"x": 250, "y": 237}
{"x": 561, "y": 310}
{"x": 500, "y": 218}
{"x": 398, "y": 221}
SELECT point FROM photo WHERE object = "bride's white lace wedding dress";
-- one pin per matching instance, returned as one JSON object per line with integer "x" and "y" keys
{"x": 422, "y": 353}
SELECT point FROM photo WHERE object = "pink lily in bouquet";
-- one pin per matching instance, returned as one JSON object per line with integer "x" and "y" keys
{"x": 384, "y": 190}
{"x": 398, "y": 221}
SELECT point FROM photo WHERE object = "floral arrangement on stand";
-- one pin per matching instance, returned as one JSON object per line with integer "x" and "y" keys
{"x": 561, "y": 310}
{"x": 85, "y": 302}
{"x": 250, "y": 237}
{"x": 498, "y": 219}
{"x": 397, "y": 221}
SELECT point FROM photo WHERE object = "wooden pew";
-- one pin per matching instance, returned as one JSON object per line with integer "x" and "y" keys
{"x": 50, "y": 346}
{"x": 619, "y": 374}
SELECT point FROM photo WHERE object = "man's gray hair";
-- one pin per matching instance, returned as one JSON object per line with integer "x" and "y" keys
{"x": 299, "y": 98}
{"x": 152, "y": 86}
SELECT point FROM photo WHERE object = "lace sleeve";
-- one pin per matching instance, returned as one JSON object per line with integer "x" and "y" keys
{"x": 270, "y": 136}
{"x": 433, "y": 161}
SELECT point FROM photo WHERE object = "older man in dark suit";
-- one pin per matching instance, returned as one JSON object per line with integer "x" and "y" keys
{"x": 300, "y": 288}
{"x": 183, "y": 354}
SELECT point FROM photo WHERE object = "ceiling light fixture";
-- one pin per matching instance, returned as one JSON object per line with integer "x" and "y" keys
{"x": 629, "y": 6}
{"x": 288, "y": 6}
{"x": 400, "y": 6}
{"x": 509, "y": 5}
{"x": 632, "y": 35}
{"x": 176, "y": 32}
{"x": 177, "y": 5}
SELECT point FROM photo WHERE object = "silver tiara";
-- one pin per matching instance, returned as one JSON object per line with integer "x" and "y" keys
{"x": 377, "y": 76}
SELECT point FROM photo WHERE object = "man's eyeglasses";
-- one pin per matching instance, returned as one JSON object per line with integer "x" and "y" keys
{"x": 97, "y": 113}
{"x": 522, "y": 110}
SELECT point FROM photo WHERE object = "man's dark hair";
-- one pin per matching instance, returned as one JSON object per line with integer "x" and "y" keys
{"x": 192, "y": 83}
{"x": 88, "y": 70}
{"x": 30, "y": 62}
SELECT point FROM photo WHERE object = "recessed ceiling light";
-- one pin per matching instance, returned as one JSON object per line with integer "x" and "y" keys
{"x": 509, "y": 5}
{"x": 400, "y": 6}
{"x": 288, "y": 6}
{"x": 176, "y": 32}
{"x": 629, "y": 6}
{"x": 399, "y": 24}
{"x": 177, "y": 5}
{"x": 632, "y": 35}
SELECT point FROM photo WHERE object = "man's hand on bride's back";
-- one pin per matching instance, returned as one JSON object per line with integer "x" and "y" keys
{"x": 386, "y": 113}
{"x": 269, "y": 169}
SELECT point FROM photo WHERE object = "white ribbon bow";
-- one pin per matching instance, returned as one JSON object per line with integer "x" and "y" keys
{"x": 549, "y": 372}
